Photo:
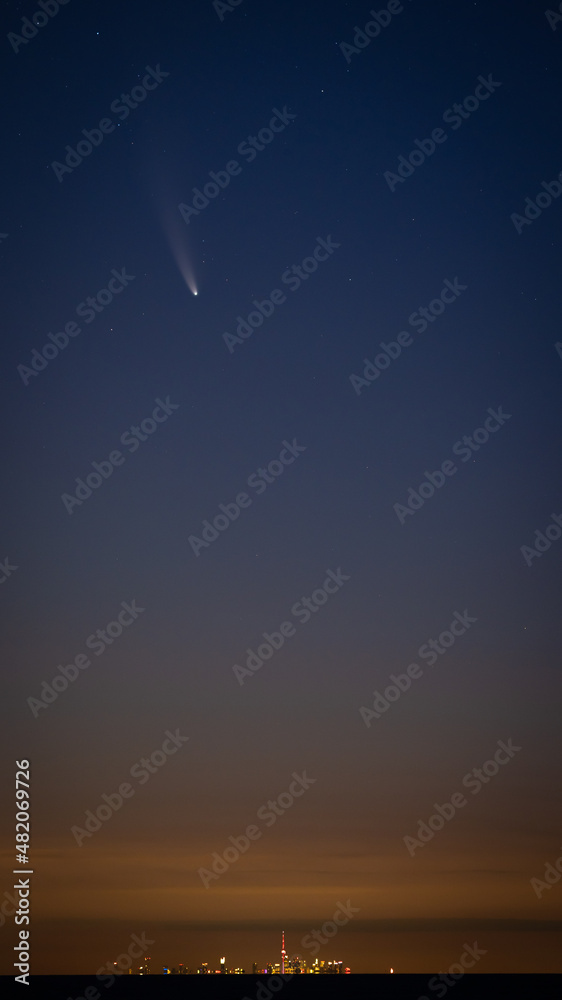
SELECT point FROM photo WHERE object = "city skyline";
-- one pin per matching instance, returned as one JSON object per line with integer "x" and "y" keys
{"x": 293, "y": 964}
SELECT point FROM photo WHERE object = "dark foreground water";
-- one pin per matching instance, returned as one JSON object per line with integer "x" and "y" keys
{"x": 397, "y": 987}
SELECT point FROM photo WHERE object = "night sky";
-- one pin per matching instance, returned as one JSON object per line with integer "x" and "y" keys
{"x": 353, "y": 295}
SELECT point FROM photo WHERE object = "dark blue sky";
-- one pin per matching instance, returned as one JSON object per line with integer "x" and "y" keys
{"x": 322, "y": 176}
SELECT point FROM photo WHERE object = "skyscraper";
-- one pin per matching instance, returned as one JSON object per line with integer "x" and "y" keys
{"x": 283, "y": 954}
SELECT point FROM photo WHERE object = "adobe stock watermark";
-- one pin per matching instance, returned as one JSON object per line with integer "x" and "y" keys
{"x": 274, "y": 984}
{"x": 303, "y": 611}
{"x": 6, "y": 570}
{"x": 131, "y": 439}
{"x": 474, "y": 781}
{"x": 30, "y": 26}
{"x": 429, "y": 651}
{"x": 543, "y": 542}
{"x": 442, "y": 983}
{"x": 21, "y": 911}
{"x": 363, "y": 37}
{"x": 420, "y": 321}
{"x": 532, "y": 210}
{"x": 122, "y": 107}
{"x": 552, "y": 875}
{"x": 249, "y": 149}
{"x": 98, "y": 642}
{"x": 223, "y": 7}
{"x": 314, "y": 939}
{"x": 88, "y": 310}
{"x": 465, "y": 449}
{"x": 141, "y": 771}
{"x": 258, "y": 481}
{"x": 269, "y": 813}
{"x": 455, "y": 117}
{"x": 22, "y": 948}
{"x": 292, "y": 277}
{"x": 8, "y": 907}
{"x": 553, "y": 18}
{"x": 137, "y": 949}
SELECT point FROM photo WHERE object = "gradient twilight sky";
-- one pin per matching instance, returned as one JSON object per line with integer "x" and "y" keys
{"x": 333, "y": 508}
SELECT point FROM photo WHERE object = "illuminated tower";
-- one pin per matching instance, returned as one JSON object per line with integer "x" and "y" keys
{"x": 283, "y": 954}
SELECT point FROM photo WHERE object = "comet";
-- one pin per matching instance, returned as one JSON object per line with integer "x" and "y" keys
{"x": 177, "y": 242}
